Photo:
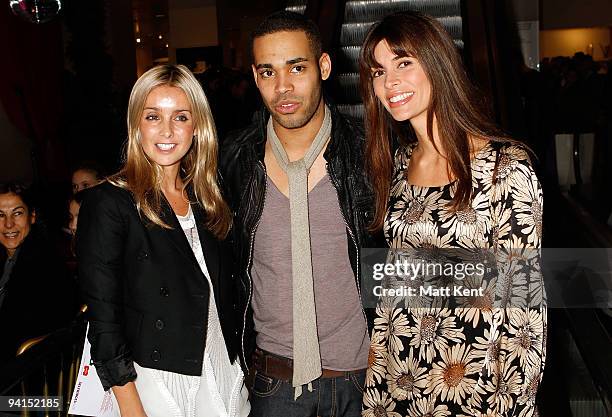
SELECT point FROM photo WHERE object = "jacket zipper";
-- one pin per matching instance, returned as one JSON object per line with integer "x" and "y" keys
{"x": 358, "y": 277}
{"x": 246, "y": 309}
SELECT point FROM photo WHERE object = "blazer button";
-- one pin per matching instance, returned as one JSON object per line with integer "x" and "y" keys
{"x": 143, "y": 255}
{"x": 164, "y": 292}
{"x": 155, "y": 356}
{"x": 159, "y": 324}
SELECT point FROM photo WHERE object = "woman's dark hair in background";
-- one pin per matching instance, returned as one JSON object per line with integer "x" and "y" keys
{"x": 91, "y": 166}
{"x": 455, "y": 102}
{"x": 78, "y": 197}
{"x": 22, "y": 191}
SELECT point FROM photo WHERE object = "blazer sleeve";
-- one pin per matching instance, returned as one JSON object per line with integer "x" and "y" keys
{"x": 101, "y": 234}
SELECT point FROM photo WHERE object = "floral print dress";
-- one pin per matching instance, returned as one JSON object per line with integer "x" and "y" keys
{"x": 483, "y": 356}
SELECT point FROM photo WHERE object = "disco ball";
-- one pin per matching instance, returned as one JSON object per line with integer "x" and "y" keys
{"x": 36, "y": 11}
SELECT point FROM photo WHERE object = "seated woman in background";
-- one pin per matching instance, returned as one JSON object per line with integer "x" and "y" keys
{"x": 36, "y": 296}
{"x": 455, "y": 183}
{"x": 154, "y": 267}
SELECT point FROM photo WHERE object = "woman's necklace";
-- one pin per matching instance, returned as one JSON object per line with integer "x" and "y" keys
{"x": 191, "y": 237}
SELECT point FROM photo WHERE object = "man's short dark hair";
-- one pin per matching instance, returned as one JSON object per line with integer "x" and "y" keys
{"x": 286, "y": 21}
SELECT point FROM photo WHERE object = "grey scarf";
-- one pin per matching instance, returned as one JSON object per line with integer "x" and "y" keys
{"x": 306, "y": 354}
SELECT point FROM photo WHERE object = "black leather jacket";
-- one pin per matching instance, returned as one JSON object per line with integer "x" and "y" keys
{"x": 244, "y": 176}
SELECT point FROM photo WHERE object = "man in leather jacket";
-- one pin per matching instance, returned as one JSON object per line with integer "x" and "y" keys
{"x": 289, "y": 68}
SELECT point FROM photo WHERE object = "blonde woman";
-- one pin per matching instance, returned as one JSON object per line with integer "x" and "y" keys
{"x": 154, "y": 268}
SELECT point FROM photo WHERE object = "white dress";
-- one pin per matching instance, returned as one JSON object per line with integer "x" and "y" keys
{"x": 220, "y": 391}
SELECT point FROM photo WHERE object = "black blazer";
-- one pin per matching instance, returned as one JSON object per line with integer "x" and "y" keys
{"x": 147, "y": 296}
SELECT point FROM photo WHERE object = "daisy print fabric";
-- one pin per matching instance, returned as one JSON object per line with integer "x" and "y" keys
{"x": 475, "y": 356}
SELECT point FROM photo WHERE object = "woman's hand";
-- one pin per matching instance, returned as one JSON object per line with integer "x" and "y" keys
{"x": 129, "y": 401}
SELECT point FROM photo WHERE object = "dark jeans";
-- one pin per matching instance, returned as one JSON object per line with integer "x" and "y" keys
{"x": 330, "y": 397}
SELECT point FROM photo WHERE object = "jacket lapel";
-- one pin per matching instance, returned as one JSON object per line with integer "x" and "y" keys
{"x": 175, "y": 233}
{"x": 210, "y": 247}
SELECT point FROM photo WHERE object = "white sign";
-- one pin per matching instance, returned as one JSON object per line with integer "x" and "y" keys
{"x": 88, "y": 397}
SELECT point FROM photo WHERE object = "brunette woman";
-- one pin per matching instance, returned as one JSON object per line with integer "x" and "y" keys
{"x": 455, "y": 182}
{"x": 36, "y": 295}
{"x": 154, "y": 268}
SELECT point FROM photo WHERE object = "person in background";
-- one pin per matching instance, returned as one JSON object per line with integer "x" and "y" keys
{"x": 154, "y": 267}
{"x": 74, "y": 205}
{"x": 84, "y": 176}
{"x": 36, "y": 296}
{"x": 456, "y": 188}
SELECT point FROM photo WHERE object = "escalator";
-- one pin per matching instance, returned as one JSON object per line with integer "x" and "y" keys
{"x": 358, "y": 18}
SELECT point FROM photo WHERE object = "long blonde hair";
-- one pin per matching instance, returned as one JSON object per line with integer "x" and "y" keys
{"x": 142, "y": 177}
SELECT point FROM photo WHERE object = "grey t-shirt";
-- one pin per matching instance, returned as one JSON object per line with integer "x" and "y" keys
{"x": 343, "y": 337}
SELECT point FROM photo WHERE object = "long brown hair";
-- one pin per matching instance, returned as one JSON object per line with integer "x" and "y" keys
{"x": 455, "y": 102}
{"x": 142, "y": 177}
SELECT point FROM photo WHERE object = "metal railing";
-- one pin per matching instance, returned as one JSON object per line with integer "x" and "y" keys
{"x": 46, "y": 366}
